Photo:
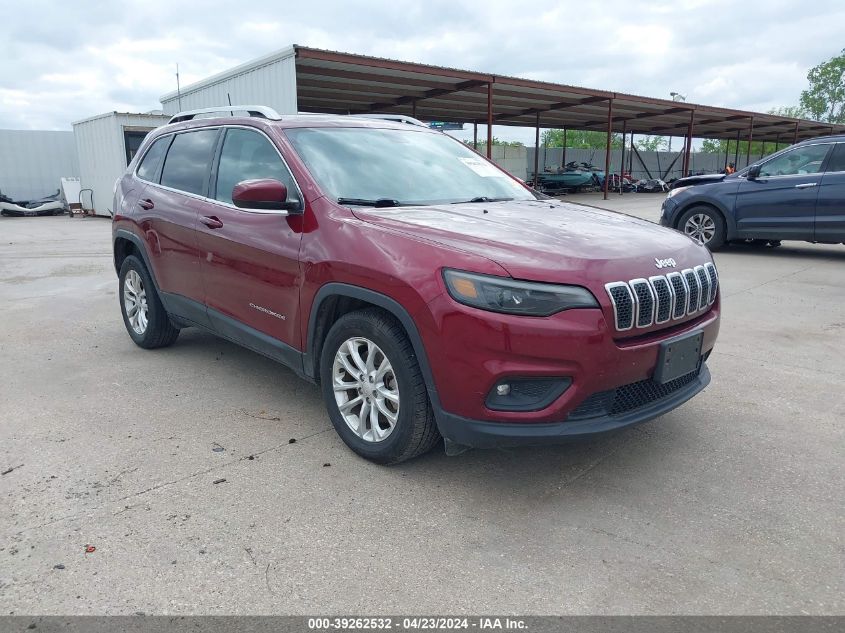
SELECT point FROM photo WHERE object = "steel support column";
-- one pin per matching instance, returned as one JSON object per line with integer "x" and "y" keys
{"x": 689, "y": 143}
{"x": 414, "y": 108}
{"x": 795, "y": 136}
{"x": 563, "y": 157}
{"x": 607, "y": 148}
{"x": 475, "y": 136}
{"x": 750, "y": 139}
{"x": 736, "y": 151}
{"x": 537, "y": 150}
{"x": 622, "y": 160}
{"x": 490, "y": 120}
{"x": 727, "y": 151}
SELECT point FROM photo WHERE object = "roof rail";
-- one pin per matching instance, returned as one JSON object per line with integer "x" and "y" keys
{"x": 262, "y": 112}
{"x": 398, "y": 118}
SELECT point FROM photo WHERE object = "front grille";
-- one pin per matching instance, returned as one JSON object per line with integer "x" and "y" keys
{"x": 660, "y": 299}
{"x": 630, "y": 397}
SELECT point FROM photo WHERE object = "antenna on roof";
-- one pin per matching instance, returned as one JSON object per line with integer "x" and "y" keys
{"x": 229, "y": 97}
{"x": 178, "y": 89}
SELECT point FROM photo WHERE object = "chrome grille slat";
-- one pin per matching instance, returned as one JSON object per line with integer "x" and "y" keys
{"x": 694, "y": 289}
{"x": 664, "y": 298}
{"x": 681, "y": 290}
{"x": 645, "y": 301}
{"x": 704, "y": 280}
{"x": 714, "y": 281}
{"x": 623, "y": 303}
{"x": 640, "y": 303}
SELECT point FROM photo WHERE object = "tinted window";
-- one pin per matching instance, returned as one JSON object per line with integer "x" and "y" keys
{"x": 801, "y": 160}
{"x": 837, "y": 159}
{"x": 187, "y": 163}
{"x": 248, "y": 155}
{"x": 149, "y": 164}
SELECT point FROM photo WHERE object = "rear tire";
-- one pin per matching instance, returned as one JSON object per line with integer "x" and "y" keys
{"x": 374, "y": 389}
{"x": 144, "y": 316}
{"x": 705, "y": 225}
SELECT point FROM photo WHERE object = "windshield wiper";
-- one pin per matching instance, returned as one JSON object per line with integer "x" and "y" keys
{"x": 362, "y": 202}
{"x": 483, "y": 199}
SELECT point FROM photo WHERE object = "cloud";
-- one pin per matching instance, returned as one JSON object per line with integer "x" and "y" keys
{"x": 67, "y": 61}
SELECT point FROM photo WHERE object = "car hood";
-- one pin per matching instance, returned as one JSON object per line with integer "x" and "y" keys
{"x": 703, "y": 179}
{"x": 546, "y": 240}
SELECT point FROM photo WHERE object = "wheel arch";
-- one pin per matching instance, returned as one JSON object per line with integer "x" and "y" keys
{"x": 730, "y": 227}
{"x": 335, "y": 299}
{"x": 126, "y": 243}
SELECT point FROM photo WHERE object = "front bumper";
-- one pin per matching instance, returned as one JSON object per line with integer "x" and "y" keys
{"x": 480, "y": 434}
{"x": 469, "y": 351}
{"x": 667, "y": 212}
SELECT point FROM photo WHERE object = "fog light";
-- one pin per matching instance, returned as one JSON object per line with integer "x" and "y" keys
{"x": 526, "y": 393}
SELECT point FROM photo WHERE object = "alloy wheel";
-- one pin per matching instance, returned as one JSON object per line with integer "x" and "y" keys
{"x": 365, "y": 389}
{"x": 135, "y": 302}
{"x": 700, "y": 227}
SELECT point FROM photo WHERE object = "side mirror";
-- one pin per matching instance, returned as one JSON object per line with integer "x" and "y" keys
{"x": 265, "y": 194}
{"x": 753, "y": 172}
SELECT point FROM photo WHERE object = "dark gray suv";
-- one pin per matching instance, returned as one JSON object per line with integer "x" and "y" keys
{"x": 795, "y": 194}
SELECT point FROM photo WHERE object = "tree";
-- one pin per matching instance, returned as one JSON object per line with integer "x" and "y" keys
{"x": 652, "y": 143}
{"x": 824, "y": 100}
{"x": 581, "y": 139}
{"x": 499, "y": 142}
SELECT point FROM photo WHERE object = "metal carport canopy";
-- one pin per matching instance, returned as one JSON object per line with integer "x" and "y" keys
{"x": 336, "y": 82}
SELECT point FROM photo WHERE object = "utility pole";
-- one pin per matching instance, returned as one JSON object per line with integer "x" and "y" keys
{"x": 178, "y": 88}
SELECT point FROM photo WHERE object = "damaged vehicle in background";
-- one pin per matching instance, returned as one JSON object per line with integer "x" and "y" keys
{"x": 49, "y": 205}
{"x": 795, "y": 194}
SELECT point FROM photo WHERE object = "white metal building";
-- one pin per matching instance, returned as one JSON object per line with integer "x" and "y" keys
{"x": 32, "y": 162}
{"x": 268, "y": 80}
{"x": 105, "y": 144}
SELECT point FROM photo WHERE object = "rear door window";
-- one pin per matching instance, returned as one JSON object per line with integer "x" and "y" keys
{"x": 188, "y": 161}
{"x": 247, "y": 155}
{"x": 148, "y": 169}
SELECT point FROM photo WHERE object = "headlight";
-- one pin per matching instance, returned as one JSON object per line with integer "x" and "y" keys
{"x": 500, "y": 294}
{"x": 673, "y": 192}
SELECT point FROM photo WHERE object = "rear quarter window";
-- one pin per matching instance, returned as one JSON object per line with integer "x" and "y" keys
{"x": 188, "y": 161}
{"x": 148, "y": 168}
{"x": 837, "y": 159}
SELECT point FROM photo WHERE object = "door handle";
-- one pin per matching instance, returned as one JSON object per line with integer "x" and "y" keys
{"x": 211, "y": 221}
{"x": 146, "y": 204}
{"x": 805, "y": 185}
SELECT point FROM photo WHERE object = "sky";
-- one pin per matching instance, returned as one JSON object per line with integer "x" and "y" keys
{"x": 64, "y": 61}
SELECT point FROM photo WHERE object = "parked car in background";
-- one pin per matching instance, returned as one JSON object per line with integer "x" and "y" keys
{"x": 427, "y": 291}
{"x": 795, "y": 194}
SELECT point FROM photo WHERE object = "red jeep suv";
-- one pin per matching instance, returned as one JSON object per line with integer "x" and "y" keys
{"x": 428, "y": 292}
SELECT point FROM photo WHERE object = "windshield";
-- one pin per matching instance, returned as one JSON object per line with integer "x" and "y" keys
{"x": 390, "y": 167}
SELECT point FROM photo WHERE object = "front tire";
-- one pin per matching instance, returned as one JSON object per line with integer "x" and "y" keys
{"x": 144, "y": 316}
{"x": 705, "y": 225}
{"x": 374, "y": 389}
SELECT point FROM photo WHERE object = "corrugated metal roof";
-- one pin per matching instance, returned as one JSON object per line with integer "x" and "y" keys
{"x": 345, "y": 83}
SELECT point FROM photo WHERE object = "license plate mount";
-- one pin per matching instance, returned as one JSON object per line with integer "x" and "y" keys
{"x": 678, "y": 357}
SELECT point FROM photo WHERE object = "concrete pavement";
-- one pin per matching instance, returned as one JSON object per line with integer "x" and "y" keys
{"x": 731, "y": 504}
